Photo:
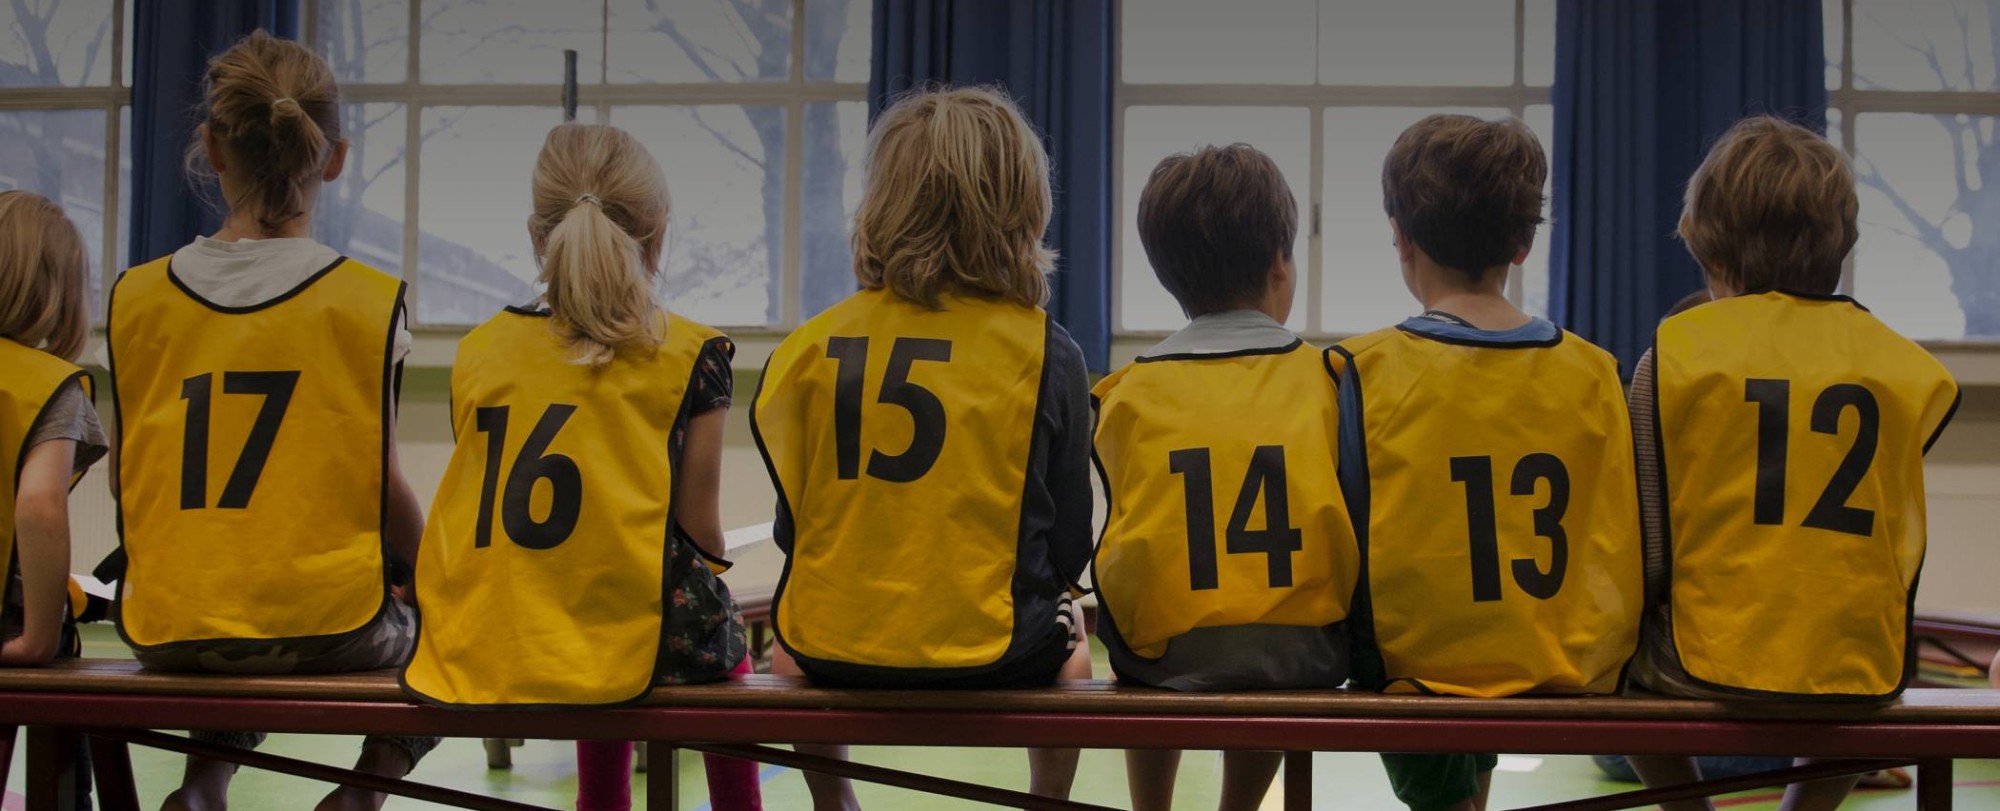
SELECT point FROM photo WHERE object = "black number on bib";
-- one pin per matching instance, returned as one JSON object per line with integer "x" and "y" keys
{"x": 1276, "y": 541}
{"x": 199, "y": 391}
{"x": 925, "y": 409}
{"x": 1830, "y": 512}
{"x": 1476, "y": 473}
{"x": 535, "y": 463}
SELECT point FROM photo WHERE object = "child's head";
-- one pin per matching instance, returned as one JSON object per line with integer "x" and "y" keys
{"x": 956, "y": 203}
{"x": 1465, "y": 193}
{"x": 599, "y": 223}
{"x": 1773, "y": 206}
{"x": 1218, "y": 226}
{"x": 44, "y": 272}
{"x": 271, "y": 130}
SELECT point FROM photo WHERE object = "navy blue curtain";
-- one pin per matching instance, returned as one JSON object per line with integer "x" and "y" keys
{"x": 1643, "y": 88}
{"x": 171, "y": 46}
{"x": 1056, "y": 58}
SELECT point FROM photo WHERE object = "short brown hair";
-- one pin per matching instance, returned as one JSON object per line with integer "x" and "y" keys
{"x": 275, "y": 108}
{"x": 956, "y": 201}
{"x": 1212, "y": 221}
{"x": 1773, "y": 206}
{"x": 44, "y": 271}
{"x": 1466, "y": 191}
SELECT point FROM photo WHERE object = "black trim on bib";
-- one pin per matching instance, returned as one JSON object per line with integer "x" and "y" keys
{"x": 1800, "y": 294}
{"x": 1484, "y": 343}
{"x": 1361, "y": 613}
{"x": 1957, "y": 399}
{"x": 286, "y": 296}
{"x": 1234, "y": 353}
{"x": 42, "y": 413}
{"x": 532, "y": 312}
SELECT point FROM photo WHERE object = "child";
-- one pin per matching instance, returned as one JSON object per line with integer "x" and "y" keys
{"x": 1486, "y": 457}
{"x": 929, "y": 437}
{"x": 254, "y": 375}
{"x": 615, "y": 409}
{"x": 1231, "y": 412}
{"x": 1785, "y": 535}
{"x": 48, "y": 423}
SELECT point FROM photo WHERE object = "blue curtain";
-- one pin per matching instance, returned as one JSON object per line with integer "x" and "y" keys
{"x": 1056, "y": 58}
{"x": 171, "y": 46}
{"x": 1643, "y": 88}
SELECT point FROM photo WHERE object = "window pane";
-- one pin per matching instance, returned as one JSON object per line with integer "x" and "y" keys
{"x": 1363, "y": 286}
{"x": 725, "y": 165}
{"x": 836, "y": 136}
{"x": 509, "y": 41}
{"x": 1153, "y": 133}
{"x": 361, "y": 213}
{"x": 1924, "y": 264}
{"x": 1895, "y": 42}
{"x": 366, "y": 40}
{"x": 1538, "y": 44}
{"x": 1535, "y": 272}
{"x": 56, "y": 43}
{"x": 60, "y": 155}
{"x": 1242, "y": 42}
{"x": 1413, "y": 42}
{"x": 473, "y": 255}
{"x": 838, "y": 38}
{"x": 700, "y": 40}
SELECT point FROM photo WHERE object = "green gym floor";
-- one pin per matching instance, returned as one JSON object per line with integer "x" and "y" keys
{"x": 544, "y": 774}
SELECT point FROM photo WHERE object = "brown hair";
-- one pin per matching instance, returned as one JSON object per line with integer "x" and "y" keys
{"x": 1212, "y": 221}
{"x": 1468, "y": 192}
{"x": 957, "y": 201}
{"x": 599, "y": 222}
{"x": 274, "y": 107}
{"x": 44, "y": 272}
{"x": 1773, "y": 206}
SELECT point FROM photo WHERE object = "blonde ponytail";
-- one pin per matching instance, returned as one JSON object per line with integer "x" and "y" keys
{"x": 599, "y": 222}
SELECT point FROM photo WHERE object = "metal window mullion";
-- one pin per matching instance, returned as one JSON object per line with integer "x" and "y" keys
{"x": 110, "y": 260}
{"x": 413, "y": 124}
{"x": 1845, "y": 98}
{"x": 791, "y": 282}
{"x": 1118, "y": 213}
{"x": 1316, "y": 268}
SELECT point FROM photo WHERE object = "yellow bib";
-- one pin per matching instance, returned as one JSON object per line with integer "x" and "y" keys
{"x": 543, "y": 567}
{"x": 252, "y": 456}
{"x": 30, "y": 379}
{"x": 1502, "y": 549}
{"x": 898, "y": 438}
{"x": 1225, "y": 507}
{"x": 1793, "y": 431}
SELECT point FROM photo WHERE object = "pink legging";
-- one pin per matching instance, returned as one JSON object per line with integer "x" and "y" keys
{"x": 604, "y": 775}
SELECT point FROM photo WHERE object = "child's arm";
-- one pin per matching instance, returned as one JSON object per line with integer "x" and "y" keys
{"x": 405, "y": 527}
{"x": 698, "y": 506}
{"x": 41, "y": 523}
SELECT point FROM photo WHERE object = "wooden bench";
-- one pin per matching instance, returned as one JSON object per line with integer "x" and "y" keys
{"x": 112, "y": 703}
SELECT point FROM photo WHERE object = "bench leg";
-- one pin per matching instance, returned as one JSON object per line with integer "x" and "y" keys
{"x": 1298, "y": 781}
{"x": 663, "y": 776}
{"x": 111, "y": 764}
{"x": 1934, "y": 785}
{"x": 52, "y": 769}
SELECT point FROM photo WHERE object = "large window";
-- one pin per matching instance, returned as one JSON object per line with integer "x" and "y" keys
{"x": 1917, "y": 101}
{"x": 1324, "y": 87}
{"x": 64, "y": 114}
{"x": 754, "y": 108}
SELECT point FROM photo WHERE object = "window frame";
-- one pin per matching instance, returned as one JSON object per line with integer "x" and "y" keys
{"x": 792, "y": 94}
{"x": 1316, "y": 99}
{"x": 113, "y": 98}
{"x": 1851, "y": 102}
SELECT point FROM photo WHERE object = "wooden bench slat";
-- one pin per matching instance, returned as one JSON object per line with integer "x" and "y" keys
{"x": 1919, "y": 706}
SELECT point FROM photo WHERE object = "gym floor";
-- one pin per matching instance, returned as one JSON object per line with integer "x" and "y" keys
{"x": 544, "y": 774}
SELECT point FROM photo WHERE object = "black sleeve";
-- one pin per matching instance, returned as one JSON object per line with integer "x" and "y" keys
{"x": 1067, "y": 405}
{"x": 714, "y": 381}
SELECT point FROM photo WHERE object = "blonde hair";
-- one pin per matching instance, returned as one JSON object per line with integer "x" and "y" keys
{"x": 44, "y": 272}
{"x": 957, "y": 201}
{"x": 1773, "y": 206}
{"x": 599, "y": 222}
{"x": 274, "y": 107}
